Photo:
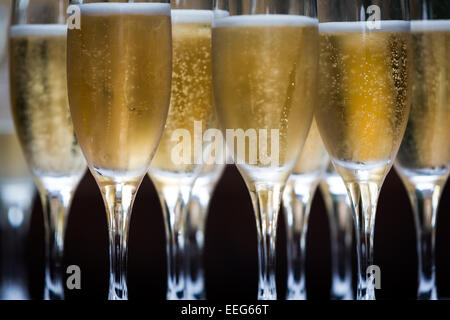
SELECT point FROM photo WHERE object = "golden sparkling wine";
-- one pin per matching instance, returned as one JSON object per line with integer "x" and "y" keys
{"x": 264, "y": 70}
{"x": 12, "y": 161}
{"x": 39, "y": 100}
{"x": 191, "y": 96}
{"x": 426, "y": 145}
{"x": 364, "y": 90}
{"x": 314, "y": 157}
{"x": 119, "y": 79}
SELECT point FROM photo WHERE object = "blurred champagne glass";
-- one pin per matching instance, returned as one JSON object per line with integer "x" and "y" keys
{"x": 16, "y": 185}
{"x": 38, "y": 85}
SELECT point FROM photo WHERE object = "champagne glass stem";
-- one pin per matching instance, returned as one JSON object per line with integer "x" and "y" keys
{"x": 55, "y": 205}
{"x": 341, "y": 247}
{"x": 297, "y": 199}
{"x": 266, "y": 202}
{"x": 425, "y": 203}
{"x": 364, "y": 197}
{"x": 174, "y": 200}
{"x": 119, "y": 200}
{"x": 195, "y": 241}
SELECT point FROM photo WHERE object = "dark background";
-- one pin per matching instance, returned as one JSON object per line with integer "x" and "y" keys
{"x": 231, "y": 251}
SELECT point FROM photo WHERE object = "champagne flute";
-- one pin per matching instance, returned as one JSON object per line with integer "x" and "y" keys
{"x": 297, "y": 200}
{"x": 119, "y": 66}
{"x": 195, "y": 229}
{"x": 16, "y": 186}
{"x": 364, "y": 104}
{"x": 423, "y": 161}
{"x": 264, "y": 75}
{"x": 191, "y": 111}
{"x": 340, "y": 215}
{"x": 40, "y": 108}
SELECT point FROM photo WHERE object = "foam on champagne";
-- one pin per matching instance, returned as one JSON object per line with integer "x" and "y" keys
{"x": 265, "y": 20}
{"x": 192, "y": 16}
{"x": 430, "y": 25}
{"x": 221, "y": 14}
{"x": 125, "y": 8}
{"x": 25, "y": 30}
{"x": 363, "y": 26}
